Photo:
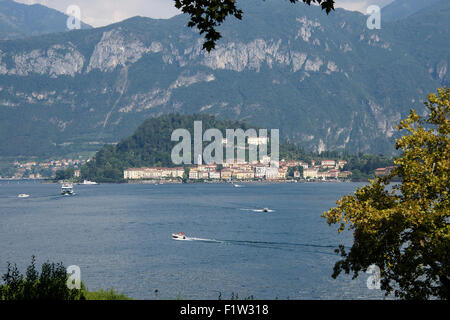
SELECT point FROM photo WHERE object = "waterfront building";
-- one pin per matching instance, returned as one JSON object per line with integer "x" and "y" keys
{"x": 260, "y": 172}
{"x": 153, "y": 173}
{"x": 310, "y": 173}
{"x": 226, "y": 174}
{"x": 344, "y": 174}
{"x": 203, "y": 175}
{"x": 333, "y": 173}
{"x": 341, "y": 164}
{"x": 214, "y": 175}
{"x": 282, "y": 173}
{"x": 243, "y": 174}
{"x": 303, "y": 164}
{"x": 272, "y": 173}
{"x": 289, "y": 164}
{"x": 193, "y": 174}
{"x": 322, "y": 175}
{"x": 328, "y": 164}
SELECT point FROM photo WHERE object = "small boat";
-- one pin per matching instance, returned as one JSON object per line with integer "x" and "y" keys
{"x": 87, "y": 182}
{"x": 179, "y": 236}
{"x": 67, "y": 189}
{"x": 266, "y": 210}
{"x": 237, "y": 185}
{"x": 23, "y": 195}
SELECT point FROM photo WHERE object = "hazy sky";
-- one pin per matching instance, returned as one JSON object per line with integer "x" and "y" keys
{"x": 103, "y": 12}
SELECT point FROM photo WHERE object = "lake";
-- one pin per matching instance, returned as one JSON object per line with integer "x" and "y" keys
{"x": 120, "y": 237}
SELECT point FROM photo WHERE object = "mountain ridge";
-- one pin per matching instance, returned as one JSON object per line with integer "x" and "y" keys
{"x": 401, "y": 9}
{"x": 18, "y": 20}
{"x": 327, "y": 82}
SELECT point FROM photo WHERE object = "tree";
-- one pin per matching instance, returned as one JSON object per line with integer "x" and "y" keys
{"x": 405, "y": 230}
{"x": 64, "y": 174}
{"x": 207, "y": 15}
{"x": 50, "y": 284}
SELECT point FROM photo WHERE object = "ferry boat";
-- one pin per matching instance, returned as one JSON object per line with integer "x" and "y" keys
{"x": 179, "y": 236}
{"x": 67, "y": 189}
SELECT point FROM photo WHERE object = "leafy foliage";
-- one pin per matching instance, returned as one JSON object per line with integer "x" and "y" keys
{"x": 50, "y": 284}
{"x": 64, "y": 174}
{"x": 207, "y": 15}
{"x": 363, "y": 166}
{"x": 405, "y": 230}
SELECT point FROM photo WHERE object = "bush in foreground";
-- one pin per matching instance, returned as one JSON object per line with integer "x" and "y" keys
{"x": 49, "y": 284}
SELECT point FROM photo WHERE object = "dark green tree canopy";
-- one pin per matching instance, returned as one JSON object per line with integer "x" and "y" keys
{"x": 207, "y": 15}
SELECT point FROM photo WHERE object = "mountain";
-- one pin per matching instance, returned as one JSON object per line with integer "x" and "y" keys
{"x": 327, "y": 82}
{"x": 400, "y": 9}
{"x": 19, "y": 20}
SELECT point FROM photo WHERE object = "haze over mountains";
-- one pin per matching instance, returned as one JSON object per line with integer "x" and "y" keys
{"x": 327, "y": 82}
{"x": 18, "y": 20}
{"x": 400, "y": 9}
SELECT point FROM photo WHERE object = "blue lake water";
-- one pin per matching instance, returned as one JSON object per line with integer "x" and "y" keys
{"x": 120, "y": 237}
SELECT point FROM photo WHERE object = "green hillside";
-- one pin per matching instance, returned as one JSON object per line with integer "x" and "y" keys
{"x": 150, "y": 145}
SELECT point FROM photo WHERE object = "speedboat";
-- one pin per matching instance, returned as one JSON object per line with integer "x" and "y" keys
{"x": 23, "y": 195}
{"x": 179, "y": 236}
{"x": 265, "y": 210}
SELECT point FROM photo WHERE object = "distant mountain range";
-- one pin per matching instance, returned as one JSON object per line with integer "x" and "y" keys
{"x": 401, "y": 9}
{"x": 19, "y": 20}
{"x": 327, "y": 82}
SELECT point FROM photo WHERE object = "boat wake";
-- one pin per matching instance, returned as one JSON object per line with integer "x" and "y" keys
{"x": 314, "y": 248}
{"x": 199, "y": 239}
{"x": 258, "y": 210}
{"x": 286, "y": 246}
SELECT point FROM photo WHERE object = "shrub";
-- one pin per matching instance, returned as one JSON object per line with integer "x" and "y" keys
{"x": 50, "y": 284}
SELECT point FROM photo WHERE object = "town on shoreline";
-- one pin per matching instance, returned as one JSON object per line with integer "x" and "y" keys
{"x": 258, "y": 171}
{"x": 265, "y": 170}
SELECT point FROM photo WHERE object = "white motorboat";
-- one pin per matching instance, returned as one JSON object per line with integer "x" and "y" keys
{"x": 265, "y": 210}
{"x": 23, "y": 195}
{"x": 87, "y": 182}
{"x": 179, "y": 236}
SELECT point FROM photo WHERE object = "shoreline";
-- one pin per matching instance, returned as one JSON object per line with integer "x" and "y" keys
{"x": 160, "y": 182}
